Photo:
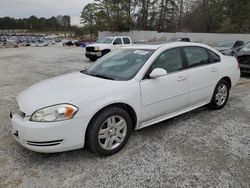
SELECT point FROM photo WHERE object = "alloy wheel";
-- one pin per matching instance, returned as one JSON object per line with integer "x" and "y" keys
{"x": 112, "y": 132}
{"x": 221, "y": 95}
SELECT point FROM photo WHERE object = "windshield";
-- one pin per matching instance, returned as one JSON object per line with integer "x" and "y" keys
{"x": 226, "y": 44}
{"x": 106, "y": 40}
{"x": 122, "y": 64}
{"x": 246, "y": 47}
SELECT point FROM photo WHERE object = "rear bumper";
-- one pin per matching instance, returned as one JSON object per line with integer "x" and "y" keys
{"x": 48, "y": 137}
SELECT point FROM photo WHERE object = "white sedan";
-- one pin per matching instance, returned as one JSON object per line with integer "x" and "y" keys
{"x": 126, "y": 90}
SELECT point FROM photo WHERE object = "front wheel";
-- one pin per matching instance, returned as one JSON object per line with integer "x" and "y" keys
{"x": 220, "y": 96}
{"x": 109, "y": 131}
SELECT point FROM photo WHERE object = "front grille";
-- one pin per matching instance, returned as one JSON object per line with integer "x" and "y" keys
{"x": 244, "y": 60}
{"x": 47, "y": 143}
{"x": 90, "y": 49}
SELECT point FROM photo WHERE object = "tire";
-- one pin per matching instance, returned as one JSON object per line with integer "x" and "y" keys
{"x": 220, "y": 95}
{"x": 102, "y": 135}
{"x": 93, "y": 59}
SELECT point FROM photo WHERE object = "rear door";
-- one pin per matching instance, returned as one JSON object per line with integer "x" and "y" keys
{"x": 203, "y": 74}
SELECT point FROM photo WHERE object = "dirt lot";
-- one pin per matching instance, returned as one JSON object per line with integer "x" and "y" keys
{"x": 203, "y": 148}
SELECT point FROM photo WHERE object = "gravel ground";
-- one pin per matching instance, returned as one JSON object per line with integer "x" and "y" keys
{"x": 202, "y": 148}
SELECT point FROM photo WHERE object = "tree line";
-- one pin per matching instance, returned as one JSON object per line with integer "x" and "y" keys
{"x": 37, "y": 24}
{"x": 231, "y": 16}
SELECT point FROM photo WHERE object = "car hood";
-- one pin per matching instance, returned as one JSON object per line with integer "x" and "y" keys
{"x": 61, "y": 89}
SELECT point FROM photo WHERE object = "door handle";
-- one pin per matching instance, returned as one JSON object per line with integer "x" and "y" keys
{"x": 181, "y": 78}
{"x": 214, "y": 70}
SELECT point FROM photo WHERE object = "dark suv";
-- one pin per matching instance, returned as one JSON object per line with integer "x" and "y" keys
{"x": 243, "y": 56}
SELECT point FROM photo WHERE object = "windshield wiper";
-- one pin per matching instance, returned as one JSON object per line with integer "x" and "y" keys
{"x": 101, "y": 76}
{"x": 96, "y": 75}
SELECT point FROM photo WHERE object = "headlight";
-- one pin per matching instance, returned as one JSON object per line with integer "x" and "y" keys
{"x": 54, "y": 113}
{"x": 97, "y": 48}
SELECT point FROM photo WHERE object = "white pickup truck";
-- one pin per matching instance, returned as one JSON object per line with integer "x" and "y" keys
{"x": 105, "y": 45}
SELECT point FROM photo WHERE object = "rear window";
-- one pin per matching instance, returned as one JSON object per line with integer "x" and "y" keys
{"x": 215, "y": 58}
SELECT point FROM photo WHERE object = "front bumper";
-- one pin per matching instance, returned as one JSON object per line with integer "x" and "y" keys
{"x": 93, "y": 54}
{"x": 48, "y": 137}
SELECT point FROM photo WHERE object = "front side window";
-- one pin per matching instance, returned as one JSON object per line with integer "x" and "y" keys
{"x": 196, "y": 56}
{"x": 123, "y": 64}
{"x": 117, "y": 41}
{"x": 169, "y": 60}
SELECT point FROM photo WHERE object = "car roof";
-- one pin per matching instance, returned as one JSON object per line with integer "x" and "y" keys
{"x": 170, "y": 45}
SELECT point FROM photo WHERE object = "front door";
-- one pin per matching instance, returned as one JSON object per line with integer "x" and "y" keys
{"x": 167, "y": 94}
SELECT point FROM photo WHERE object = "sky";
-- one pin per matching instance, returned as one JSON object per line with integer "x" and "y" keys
{"x": 43, "y": 8}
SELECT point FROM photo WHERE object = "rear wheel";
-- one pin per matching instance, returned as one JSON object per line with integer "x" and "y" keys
{"x": 220, "y": 96}
{"x": 109, "y": 131}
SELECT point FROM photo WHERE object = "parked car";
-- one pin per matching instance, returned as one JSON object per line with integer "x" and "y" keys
{"x": 228, "y": 47}
{"x": 58, "y": 40}
{"x": 130, "y": 88}
{"x": 106, "y": 45}
{"x": 243, "y": 56}
{"x": 179, "y": 40}
{"x": 68, "y": 43}
{"x": 79, "y": 43}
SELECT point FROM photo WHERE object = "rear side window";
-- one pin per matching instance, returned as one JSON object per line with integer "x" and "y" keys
{"x": 214, "y": 57}
{"x": 196, "y": 56}
{"x": 126, "y": 40}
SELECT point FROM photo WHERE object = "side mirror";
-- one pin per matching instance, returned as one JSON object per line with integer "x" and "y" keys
{"x": 158, "y": 72}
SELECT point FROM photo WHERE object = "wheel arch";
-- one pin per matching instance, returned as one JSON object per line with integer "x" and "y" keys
{"x": 128, "y": 108}
{"x": 228, "y": 80}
